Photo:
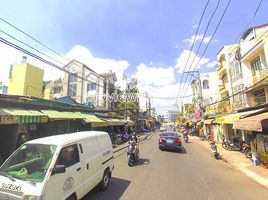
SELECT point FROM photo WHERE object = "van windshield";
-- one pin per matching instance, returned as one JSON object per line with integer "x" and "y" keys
{"x": 30, "y": 162}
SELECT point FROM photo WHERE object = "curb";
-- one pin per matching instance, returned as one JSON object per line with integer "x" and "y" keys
{"x": 125, "y": 145}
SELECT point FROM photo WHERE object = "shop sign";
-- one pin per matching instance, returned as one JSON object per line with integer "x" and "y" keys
{"x": 8, "y": 119}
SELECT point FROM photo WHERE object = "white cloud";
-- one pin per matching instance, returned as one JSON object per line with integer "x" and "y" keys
{"x": 212, "y": 64}
{"x": 189, "y": 41}
{"x": 157, "y": 76}
{"x": 159, "y": 82}
{"x": 181, "y": 61}
{"x": 8, "y": 57}
{"x": 100, "y": 65}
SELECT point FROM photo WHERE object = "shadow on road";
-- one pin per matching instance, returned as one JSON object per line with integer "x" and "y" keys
{"x": 176, "y": 151}
{"x": 143, "y": 161}
{"x": 116, "y": 189}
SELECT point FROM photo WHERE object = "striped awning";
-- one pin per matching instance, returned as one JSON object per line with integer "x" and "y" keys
{"x": 20, "y": 116}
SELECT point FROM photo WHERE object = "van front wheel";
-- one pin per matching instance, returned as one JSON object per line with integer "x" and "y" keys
{"x": 105, "y": 180}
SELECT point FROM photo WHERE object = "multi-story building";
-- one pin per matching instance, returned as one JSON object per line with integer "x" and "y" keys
{"x": 109, "y": 88}
{"x": 53, "y": 89}
{"x": 132, "y": 83}
{"x": 254, "y": 54}
{"x": 3, "y": 88}
{"x": 206, "y": 93}
{"x": 172, "y": 115}
{"x": 26, "y": 79}
{"x": 225, "y": 87}
{"x": 83, "y": 84}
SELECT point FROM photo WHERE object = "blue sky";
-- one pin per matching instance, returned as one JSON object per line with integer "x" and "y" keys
{"x": 149, "y": 32}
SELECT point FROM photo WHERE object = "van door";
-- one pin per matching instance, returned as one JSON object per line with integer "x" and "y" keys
{"x": 92, "y": 162}
{"x": 62, "y": 185}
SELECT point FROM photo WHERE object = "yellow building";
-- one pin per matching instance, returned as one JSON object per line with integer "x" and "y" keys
{"x": 25, "y": 79}
{"x": 254, "y": 54}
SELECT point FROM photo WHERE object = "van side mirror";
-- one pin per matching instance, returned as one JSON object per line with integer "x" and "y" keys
{"x": 59, "y": 169}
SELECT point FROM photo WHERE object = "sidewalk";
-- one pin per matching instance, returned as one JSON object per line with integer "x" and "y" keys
{"x": 239, "y": 162}
{"x": 143, "y": 136}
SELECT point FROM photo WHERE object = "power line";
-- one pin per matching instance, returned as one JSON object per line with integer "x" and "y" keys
{"x": 30, "y": 46}
{"x": 192, "y": 46}
{"x": 252, "y": 18}
{"x": 208, "y": 24}
{"x": 44, "y": 60}
{"x": 223, "y": 14}
{"x": 36, "y": 40}
{"x": 5, "y": 21}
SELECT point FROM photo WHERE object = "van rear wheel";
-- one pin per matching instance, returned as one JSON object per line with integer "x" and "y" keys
{"x": 105, "y": 180}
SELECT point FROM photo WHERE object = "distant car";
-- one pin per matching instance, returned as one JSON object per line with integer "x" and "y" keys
{"x": 163, "y": 128}
{"x": 170, "y": 140}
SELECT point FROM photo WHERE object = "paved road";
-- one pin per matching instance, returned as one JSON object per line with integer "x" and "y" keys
{"x": 170, "y": 175}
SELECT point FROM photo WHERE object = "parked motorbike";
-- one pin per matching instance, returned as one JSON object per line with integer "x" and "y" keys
{"x": 245, "y": 148}
{"x": 132, "y": 154}
{"x": 214, "y": 150}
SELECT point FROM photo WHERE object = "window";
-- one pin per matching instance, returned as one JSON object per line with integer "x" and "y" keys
{"x": 91, "y": 86}
{"x": 30, "y": 162}
{"x": 73, "y": 78}
{"x": 57, "y": 90}
{"x": 259, "y": 97}
{"x": 68, "y": 156}
{"x": 205, "y": 84}
{"x": 72, "y": 85}
{"x": 236, "y": 70}
{"x": 239, "y": 97}
{"x": 256, "y": 65}
{"x": 72, "y": 90}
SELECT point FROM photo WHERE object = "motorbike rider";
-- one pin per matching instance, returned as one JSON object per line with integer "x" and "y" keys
{"x": 135, "y": 140}
{"x": 185, "y": 133}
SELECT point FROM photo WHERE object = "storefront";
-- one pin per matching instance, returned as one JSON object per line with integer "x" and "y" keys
{"x": 256, "y": 127}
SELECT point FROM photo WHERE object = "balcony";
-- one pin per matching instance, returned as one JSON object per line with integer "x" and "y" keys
{"x": 221, "y": 70}
{"x": 260, "y": 75}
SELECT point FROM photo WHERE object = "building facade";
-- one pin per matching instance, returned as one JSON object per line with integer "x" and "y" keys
{"x": 26, "y": 79}
{"x": 83, "y": 84}
{"x": 53, "y": 89}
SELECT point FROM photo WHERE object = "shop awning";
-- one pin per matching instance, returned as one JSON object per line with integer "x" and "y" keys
{"x": 93, "y": 119}
{"x": 20, "y": 116}
{"x": 208, "y": 121}
{"x": 53, "y": 114}
{"x": 130, "y": 123}
{"x": 253, "y": 123}
{"x": 230, "y": 119}
{"x": 115, "y": 122}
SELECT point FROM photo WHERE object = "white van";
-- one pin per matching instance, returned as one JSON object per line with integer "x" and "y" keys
{"x": 58, "y": 167}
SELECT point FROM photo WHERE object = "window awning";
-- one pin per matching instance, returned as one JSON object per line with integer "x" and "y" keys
{"x": 53, "y": 114}
{"x": 230, "y": 119}
{"x": 93, "y": 119}
{"x": 20, "y": 116}
{"x": 253, "y": 123}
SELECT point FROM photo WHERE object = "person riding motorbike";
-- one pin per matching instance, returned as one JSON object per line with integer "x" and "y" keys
{"x": 185, "y": 134}
{"x": 135, "y": 138}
